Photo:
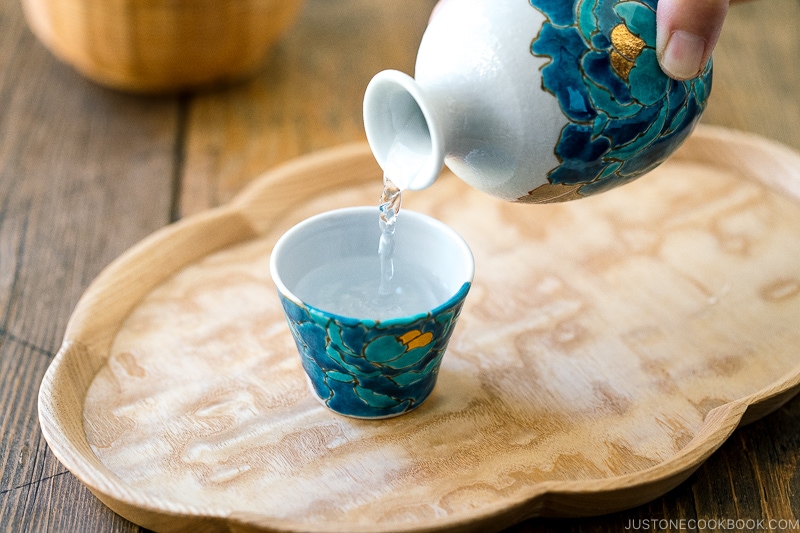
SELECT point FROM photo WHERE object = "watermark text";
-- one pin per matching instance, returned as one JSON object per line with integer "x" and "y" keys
{"x": 713, "y": 524}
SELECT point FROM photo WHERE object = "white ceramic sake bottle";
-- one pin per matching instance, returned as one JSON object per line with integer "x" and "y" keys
{"x": 534, "y": 100}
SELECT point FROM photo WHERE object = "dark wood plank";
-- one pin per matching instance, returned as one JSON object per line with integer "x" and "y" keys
{"x": 84, "y": 174}
{"x": 22, "y": 447}
{"x": 36, "y": 492}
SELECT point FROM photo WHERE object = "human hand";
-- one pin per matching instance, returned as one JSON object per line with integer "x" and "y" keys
{"x": 687, "y": 32}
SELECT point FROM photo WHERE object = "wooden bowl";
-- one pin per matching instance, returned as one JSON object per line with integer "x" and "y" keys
{"x": 161, "y": 45}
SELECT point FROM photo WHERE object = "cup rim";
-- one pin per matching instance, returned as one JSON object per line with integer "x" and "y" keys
{"x": 458, "y": 294}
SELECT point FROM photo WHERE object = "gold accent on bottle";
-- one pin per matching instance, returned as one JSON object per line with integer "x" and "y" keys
{"x": 621, "y": 65}
{"x": 550, "y": 193}
{"x": 627, "y": 47}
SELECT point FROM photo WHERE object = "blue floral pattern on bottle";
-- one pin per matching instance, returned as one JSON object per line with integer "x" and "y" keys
{"x": 625, "y": 115}
{"x": 372, "y": 369}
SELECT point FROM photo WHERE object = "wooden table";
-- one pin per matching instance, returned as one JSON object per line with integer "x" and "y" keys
{"x": 85, "y": 172}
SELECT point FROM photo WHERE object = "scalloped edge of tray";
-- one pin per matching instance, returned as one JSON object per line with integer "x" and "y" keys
{"x": 98, "y": 316}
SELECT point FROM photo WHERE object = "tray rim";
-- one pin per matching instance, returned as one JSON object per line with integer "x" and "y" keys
{"x": 84, "y": 352}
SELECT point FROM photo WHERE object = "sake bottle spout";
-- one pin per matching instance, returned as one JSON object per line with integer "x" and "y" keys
{"x": 402, "y": 130}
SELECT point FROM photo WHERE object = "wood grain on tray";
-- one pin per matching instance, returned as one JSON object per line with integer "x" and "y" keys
{"x": 607, "y": 348}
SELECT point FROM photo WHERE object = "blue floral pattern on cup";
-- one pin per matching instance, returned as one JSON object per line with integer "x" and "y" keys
{"x": 626, "y": 116}
{"x": 372, "y": 369}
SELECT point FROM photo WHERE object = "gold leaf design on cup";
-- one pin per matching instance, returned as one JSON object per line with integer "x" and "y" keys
{"x": 416, "y": 339}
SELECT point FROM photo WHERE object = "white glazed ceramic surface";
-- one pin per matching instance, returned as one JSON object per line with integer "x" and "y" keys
{"x": 501, "y": 126}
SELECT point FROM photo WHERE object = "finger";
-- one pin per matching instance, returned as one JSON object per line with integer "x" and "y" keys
{"x": 687, "y": 32}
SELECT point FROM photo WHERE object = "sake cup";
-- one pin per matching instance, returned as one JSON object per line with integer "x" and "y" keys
{"x": 379, "y": 358}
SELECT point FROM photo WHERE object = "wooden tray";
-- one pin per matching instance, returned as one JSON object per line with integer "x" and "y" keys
{"x": 607, "y": 348}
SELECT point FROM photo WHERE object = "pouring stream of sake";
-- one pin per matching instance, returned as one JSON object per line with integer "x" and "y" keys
{"x": 404, "y": 161}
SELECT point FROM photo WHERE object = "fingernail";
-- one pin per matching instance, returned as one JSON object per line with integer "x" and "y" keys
{"x": 682, "y": 57}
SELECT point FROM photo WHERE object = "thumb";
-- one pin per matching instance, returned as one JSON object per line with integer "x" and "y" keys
{"x": 687, "y": 31}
